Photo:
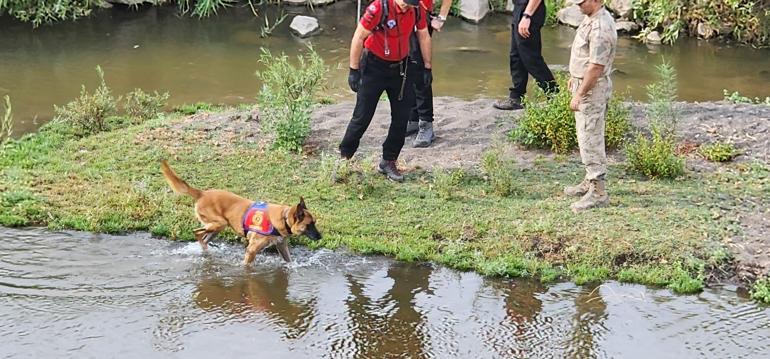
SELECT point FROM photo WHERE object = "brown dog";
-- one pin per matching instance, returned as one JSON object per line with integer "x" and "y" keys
{"x": 262, "y": 224}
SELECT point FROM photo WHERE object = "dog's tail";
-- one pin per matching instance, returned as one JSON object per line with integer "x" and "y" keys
{"x": 176, "y": 183}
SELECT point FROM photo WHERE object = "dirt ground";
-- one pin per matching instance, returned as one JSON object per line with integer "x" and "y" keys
{"x": 465, "y": 129}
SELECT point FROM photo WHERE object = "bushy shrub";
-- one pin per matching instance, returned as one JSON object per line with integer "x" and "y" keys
{"x": 88, "y": 114}
{"x": 719, "y": 152}
{"x": 287, "y": 94}
{"x": 655, "y": 156}
{"x": 549, "y": 123}
{"x": 142, "y": 106}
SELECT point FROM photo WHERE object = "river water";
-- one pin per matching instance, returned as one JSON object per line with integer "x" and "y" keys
{"x": 214, "y": 59}
{"x": 80, "y": 295}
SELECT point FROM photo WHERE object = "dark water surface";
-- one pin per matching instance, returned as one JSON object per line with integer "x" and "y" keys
{"x": 79, "y": 295}
{"x": 214, "y": 59}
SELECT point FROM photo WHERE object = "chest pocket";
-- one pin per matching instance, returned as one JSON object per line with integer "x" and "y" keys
{"x": 581, "y": 42}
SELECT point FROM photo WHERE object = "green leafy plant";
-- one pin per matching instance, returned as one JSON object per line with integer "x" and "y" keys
{"x": 142, "y": 106}
{"x": 286, "y": 96}
{"x": 498, "y": 172}
{"x": 203, "y": 8}
{"x": 655, "y": 156}
{"x": 40, "y": 12}
{"x": 760, "y": 291}
{"x": 6, "y": 124}
{"x": 88, "y": 114}
{"x": 719, "y": 152}
{"x": 445, "y": 182}
{"x": 549, "y": 123}
{"x": 736, "y": 98}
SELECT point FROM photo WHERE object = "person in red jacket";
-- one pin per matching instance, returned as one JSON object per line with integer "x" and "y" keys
{"x": 378, "y": 62}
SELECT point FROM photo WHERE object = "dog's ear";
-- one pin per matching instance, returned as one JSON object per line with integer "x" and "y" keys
{"x": 299, "y": 212}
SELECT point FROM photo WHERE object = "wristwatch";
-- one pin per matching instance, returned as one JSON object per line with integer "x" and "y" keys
{"x": 441, "y": 18}
{"x": 526, "y": 16}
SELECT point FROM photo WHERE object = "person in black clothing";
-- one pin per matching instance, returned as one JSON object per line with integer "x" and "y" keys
{"x": 526, "y": 57}
{"x": 378, "y": 62}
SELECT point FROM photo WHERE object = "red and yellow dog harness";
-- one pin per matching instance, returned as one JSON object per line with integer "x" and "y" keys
{"x": 256, "y": 220}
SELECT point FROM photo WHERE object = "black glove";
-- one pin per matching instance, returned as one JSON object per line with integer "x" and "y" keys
{"x": 427, "y": 77}
{"x": 354, "y": 79}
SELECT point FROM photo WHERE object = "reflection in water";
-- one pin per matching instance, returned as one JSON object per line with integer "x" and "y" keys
{"x": 390, "y": 326}
{"x": 256, "y": 293}
{"x": 79, "y": 295}
{"x": 587, "y": 323}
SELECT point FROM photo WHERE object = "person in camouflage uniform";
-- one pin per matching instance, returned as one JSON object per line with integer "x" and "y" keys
{"x": 590, "y": 65}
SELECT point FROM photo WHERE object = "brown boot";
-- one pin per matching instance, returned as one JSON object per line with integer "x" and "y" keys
{"x": 595, "y": 197}
{"x": 577, "y": 190}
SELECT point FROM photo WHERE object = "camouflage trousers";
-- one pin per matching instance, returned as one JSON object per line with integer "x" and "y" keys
{"x": 590, "y": 120}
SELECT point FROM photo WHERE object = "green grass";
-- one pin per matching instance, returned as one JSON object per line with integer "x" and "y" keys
{"x": 660, "y": 233}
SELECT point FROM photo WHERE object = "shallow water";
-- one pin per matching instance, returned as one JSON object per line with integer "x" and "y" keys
{"x": 214, "y": 59}
{"x": 80, "y": 295}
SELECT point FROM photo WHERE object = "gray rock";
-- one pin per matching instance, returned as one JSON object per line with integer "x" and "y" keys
{"x": 653, "y": 38}
{"x": 705, "y": 30}
{"x": 570, "y": 15}
{"x": 474, "y": 10}
{"x": 313, "y": 2}
{"x": 304, "y": 26}
{"x": 622, "y": 8}
{"x": 626, "y": 26}
{"x": 131, "y": 2}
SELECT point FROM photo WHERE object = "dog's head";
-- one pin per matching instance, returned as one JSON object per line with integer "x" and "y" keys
{"x": 304, "y": 223}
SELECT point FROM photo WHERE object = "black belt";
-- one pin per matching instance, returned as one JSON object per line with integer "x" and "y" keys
{"x": 387, "y": 63}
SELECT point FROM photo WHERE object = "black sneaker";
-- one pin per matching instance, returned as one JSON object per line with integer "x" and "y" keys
{"x": 508, "y": 104}
{"x": 390, "y": 170}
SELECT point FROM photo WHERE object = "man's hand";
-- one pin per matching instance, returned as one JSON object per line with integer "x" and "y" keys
{"x": 574, "y": 104}
{"x": 427, "y": 77}
{"x": 354, "y": 79}
{"x": 524, "y": 27}
{"x": 436, "y": 24}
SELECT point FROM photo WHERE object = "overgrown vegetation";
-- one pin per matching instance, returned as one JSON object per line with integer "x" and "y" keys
{"x": 40, "y": 12}
{"x": 747, "y": 21}
{"x": 736, "y": 98}
{"x": 654, "y": 156}
{"x": 142, "y": 106}
{"x": 549, "y": 123}
{"x": 6, "y": 123}
{"x": 761, "y": 291}
{"x": 719, "y": 151}
{"x": 287, "y": 93}
{"x": 88, "y": 113}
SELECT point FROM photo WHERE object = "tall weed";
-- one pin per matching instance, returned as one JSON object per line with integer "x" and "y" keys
{"x": 6, "y": 124}
{"x": 88, "y": 114}
{"x": 286, "y": 96}
{"x": 498, "y": 172}
{"x": 655, "y": 156}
